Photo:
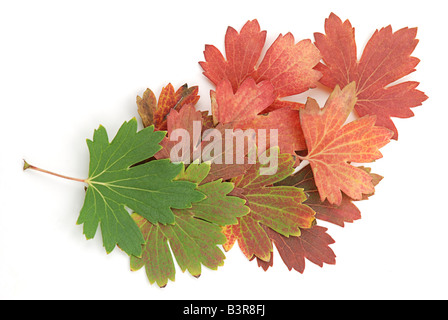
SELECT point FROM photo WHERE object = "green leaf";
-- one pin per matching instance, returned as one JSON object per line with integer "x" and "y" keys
{"x": 116, "y": 183}
{"x": 193, "y": 242}
{"x": 217, "y": 207}
{"x": 196, "y": 233}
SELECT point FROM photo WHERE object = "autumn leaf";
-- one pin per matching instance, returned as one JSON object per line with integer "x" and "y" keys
{"x": 249, "y": 100}
{"x": 287, "y": 65}
{"x": 242, "y": 109}
{"x": 186, "y": 119}
{"x": 279, "y": 208}
{"x": 192, "y": 241}
{"x": 313, "y": 244}
{"x": 114, "y": 184}
{"x": 333, "y": 145}
{"x": 155, "y": 112}
{"x": 242, "y": 50}
{"x": 386, "y": 58}
{"x": 196, "y": 233}
{"x": 346, "y": 211}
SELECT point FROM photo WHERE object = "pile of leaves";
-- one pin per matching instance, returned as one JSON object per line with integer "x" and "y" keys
{"x": 195, "y": 211}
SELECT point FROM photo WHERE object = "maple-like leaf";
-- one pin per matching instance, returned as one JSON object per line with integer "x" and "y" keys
{"x": 312, "y": 244}
{"x": 155, "y": 112}
{"x": 192, "y": 241}
{"x": 249, "y": 100}
{"x": 287, "y": 65}
{"x": 385, "y": 59}
{"x": 243, "y": 110}
{"x": 277, "y": 207}
{"x": 333, "y": 145}
{"x": 114, "y": 184}
{"x": 346, "y": 211}
{"x": 196, "y": 233}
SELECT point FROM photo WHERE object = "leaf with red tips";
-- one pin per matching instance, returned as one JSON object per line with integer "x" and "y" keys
{"x": 155, "y": 113}
{"x": 279, "y": 208}
{"x": 289, "y": 66}
{"x": 337, "y": 214}
{"x": 195, "y": 234}
{"x": 386, "y": 59}
{"x": 333, "y": 145}
{"x": 252, "y": 239}
{"x": 192, "y": 241}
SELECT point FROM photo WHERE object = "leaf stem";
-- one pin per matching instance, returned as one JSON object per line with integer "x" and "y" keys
{"x": 27, "y": 166}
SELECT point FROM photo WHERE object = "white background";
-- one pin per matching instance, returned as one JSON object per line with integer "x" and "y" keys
{"x": 68, "y": 66}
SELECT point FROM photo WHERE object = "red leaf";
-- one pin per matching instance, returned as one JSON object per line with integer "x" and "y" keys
{"x": 333, "y": 145}
{"x": 313, "y": 244}
{"x": 249, "y": 100}
{"x": 386, "y": 59}
{"x": 243, "y": 108}
{"x": 286, "y": 64}
{"x": 252, "y": 239}
{"x": 337, "y": 214}
{"x": 243, "y": 52}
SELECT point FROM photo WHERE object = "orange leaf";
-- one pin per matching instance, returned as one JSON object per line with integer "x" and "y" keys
{"x": 243, "y": 51}
{"x": 386, "y": 59}
{"x": 333, "y": 145}
{"x": 155, "y": 112}
{"x": 249, "y": 100}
